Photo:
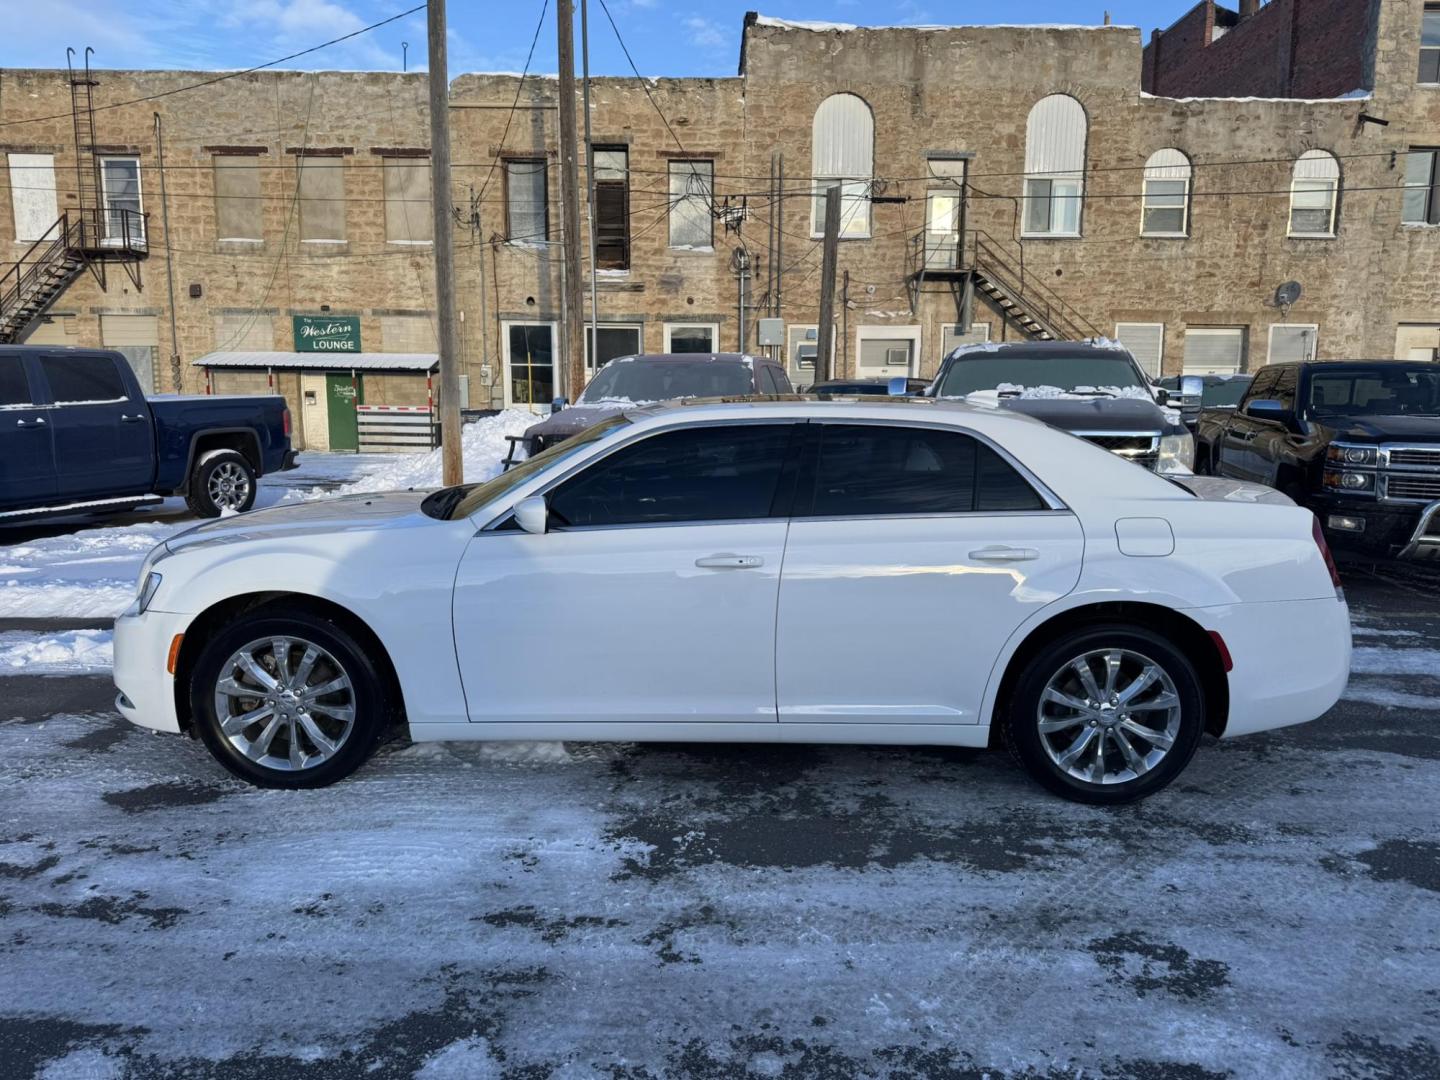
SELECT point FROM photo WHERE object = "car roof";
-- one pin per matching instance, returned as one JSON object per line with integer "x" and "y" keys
{"x": 694, "y": 358}
{"x": 1039, "y": 349}
{"x": 802, "y": 405}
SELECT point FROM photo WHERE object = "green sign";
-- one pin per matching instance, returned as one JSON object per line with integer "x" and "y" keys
{"x": 327, "y": 333}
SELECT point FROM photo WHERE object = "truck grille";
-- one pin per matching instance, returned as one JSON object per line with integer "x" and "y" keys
{"x": 1420, "y": 486}
{"x": 1141, "y": 449}
{"x": 1415, "y": 458}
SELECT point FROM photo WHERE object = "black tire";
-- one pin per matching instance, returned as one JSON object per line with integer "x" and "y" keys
{"x": 1022, "y": 719}
{"x": 221, "y": 481}
{"x": 369, "y": 699}
{"x": 1202, "y": 462}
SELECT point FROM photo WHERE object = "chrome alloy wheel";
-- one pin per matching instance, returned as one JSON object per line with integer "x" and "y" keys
{"x": 285, "y": 703}
{"x": 228, "y": 486}
{"x": 1109, "y": 716}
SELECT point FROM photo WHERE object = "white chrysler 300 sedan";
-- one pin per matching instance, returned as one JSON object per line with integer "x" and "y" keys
{"x": 754, "y": 571}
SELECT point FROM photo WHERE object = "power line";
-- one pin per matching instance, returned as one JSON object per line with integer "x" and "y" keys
{"x": 519, "y": 86}
{"x": 228, "y": 74}
{"x": 644, "y": 85}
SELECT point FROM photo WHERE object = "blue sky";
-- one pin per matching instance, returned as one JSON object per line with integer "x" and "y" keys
{"x": 666, "y": 37}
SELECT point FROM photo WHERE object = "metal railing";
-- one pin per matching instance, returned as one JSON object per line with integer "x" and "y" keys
{"x": 78, "y": 237}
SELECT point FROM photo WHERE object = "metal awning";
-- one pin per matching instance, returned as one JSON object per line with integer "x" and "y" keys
{"x": 321, "y": 361}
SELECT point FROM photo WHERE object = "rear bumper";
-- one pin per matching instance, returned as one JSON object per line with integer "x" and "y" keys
{"x": 291, "y": 460}
{"x": 146, "y": 690}
{"x": 1292, "y": 660}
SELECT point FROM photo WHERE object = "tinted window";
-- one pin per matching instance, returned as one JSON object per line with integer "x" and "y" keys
{"x": 782, "y": 382}
{"x": 82, "y": 377}
{"x": 986, "y": 370}
{"x": 765, "y": 381}
{"x": 724, "y": 473}
{"x": 1382, "y": 391}
{"x": 641, "y": 380}
{"x": 1284, "y": 391}
{"x": 869, "y": 470}
{"x": 1263, "y": 385}
{"x": 14, "y": 387}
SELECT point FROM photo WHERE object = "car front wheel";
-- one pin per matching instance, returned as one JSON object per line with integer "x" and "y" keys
{"x": 1107, "y": 714}
{"x": 288, "y": 700}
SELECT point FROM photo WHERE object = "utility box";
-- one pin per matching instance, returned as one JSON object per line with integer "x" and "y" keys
{"x": 770, "y": 332}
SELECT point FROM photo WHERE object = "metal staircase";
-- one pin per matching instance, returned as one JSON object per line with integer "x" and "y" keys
{"x": 89, "y": 237}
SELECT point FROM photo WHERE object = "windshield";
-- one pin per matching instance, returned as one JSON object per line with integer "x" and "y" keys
{"x": 661, "y": 380}
{"x": 1397, "y": 391}
{"x": 457, "y": 502}
{"x": 1084, "y": 374}
{"x": 1224, "y": 392}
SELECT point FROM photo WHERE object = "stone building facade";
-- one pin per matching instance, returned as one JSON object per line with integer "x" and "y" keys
{"x": 998, "y": 182}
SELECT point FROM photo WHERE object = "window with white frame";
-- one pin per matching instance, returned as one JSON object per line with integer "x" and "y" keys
{"x": 843, "y": 156}
{"x": 1054, "y": 166}
{"x": 886, "y": 351}
{"x": 529, "y": 364}
{"x": 1214, "y": 350}
{"x": 692, "y": 337}
{"x": 1292, "y": 343}
{"x": 1165, "y": 202}
{"x": 953, "y": 335}
{"x": 1430, "y": 44}
{"x": 1421, "y": 204}
{"x": 692, "y": 197}
{"x": 1314, "y": 194}
{"x": 1146, "y": 342}
{"x": 616, "y": 339}
{"x": 526, "y": 220}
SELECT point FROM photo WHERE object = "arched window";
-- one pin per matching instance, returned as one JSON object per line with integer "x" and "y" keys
{"x": 843, "y": 155}
{"x": 1165, "y": 206}
{"x": 1054, "y": 166}
{"x": 1314, "y": 194}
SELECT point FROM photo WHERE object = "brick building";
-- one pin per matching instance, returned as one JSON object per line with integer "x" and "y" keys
{"x": 996, "y": 182}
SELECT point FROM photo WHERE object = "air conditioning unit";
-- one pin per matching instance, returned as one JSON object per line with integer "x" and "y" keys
{"x": 899, "y": 357}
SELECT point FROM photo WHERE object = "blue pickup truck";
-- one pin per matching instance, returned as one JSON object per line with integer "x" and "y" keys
{"x": 77, "y": 435}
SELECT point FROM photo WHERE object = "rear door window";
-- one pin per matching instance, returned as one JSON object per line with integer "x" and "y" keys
{"x": 14, "y": 386}
{"x": 79, "y": 378}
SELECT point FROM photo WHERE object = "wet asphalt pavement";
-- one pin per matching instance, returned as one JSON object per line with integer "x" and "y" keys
{"x": 665, "y": 911}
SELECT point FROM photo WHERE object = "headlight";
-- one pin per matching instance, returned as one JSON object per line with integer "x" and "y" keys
{"x": 1356, "y": 482}
{"x": 1340, "y": 454}
{"x": 1177, "y": 453}
{"x": 148, "y": 587}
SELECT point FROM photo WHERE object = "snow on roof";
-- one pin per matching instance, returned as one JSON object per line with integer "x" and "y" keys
{"x": 322, "y": 361}
{"x": 1353, "y": 95}
{"x": 829, "y": 27}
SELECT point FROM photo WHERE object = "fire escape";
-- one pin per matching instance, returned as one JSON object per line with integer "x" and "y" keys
{"x": 92, "y": 236}
{"x": 973, "y": 261}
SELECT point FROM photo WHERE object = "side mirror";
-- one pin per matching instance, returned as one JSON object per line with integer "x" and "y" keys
{"x": 1192, "y": 388}
{"x": 532, "y": 515}
{"x": 558, "y": 404}
{"x": 1268, "y": 409}
{"x": 1162, "y": 396}
{"x": 898, "y": 386}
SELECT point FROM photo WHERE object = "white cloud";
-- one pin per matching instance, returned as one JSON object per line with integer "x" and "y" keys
{"x": 704, "y": 33}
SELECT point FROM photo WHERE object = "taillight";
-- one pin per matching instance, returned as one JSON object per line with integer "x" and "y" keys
{"x": 285, "y": 421}
{"x": 1319, "y": 535}
{"x": 1226, "y": 660}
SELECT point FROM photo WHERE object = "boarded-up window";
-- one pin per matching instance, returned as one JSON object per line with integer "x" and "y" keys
{"x": 237, "y": 197}
{"x": 842, "y": 155}
{"x": 612, "y": 208}
{"x": 692, "y": 188}
{"x": 1054, "y": 166}
{"x": 244, "y": 331}
{"x": 1214, "y": 350}
{"x": 408, "y": 218}
{"x": 526, "y": 221}
{"x": 322, "y": 199}
{"x": 137, "y": 338}
{"x": 1146, "y": 342}
{"x": 32, "y": 194}
{"x": 1293, "y": 343}
{"x": 407, "y": 334}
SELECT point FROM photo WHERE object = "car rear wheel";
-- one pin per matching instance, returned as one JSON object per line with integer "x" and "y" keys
{"x": 288, "y": 700}
{"x": 223, "y": 482}
{"x": 1107, "y": 714}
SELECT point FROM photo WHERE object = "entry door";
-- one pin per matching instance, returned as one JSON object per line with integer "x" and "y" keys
{"x": 652, "y": 598}
{"x": 342, "y": 394}
{"x": 27, "y": 460}
{"x": 120, "y": 192}
{"x": 530, "y": 366}
{"x": 104, "y": 445}
{"x": 918, "y": 554}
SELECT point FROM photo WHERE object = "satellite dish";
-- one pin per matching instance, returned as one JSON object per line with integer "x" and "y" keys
{"x": 1287, "y": 294}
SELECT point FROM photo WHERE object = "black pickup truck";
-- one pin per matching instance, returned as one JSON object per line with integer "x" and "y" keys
{"x": 78, "y": 436}
{"x": 1357, "y": 441}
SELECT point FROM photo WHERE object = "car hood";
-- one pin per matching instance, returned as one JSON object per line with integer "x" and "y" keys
{"x": 1375, "y": 429}
{"x": 572, "y": 421}
{"x": 1222, "y": 489}
{"x": 342, "y": 514}
{"x": 1119, "y": 416}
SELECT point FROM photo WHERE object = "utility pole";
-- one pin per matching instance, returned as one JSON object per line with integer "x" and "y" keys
{"x": 451, "y": 455}
{"x": 824, "y": 348}
{"x": 572, "y": 362}
{"x": 175, "y": 380}
{"x": 589, "y": 177}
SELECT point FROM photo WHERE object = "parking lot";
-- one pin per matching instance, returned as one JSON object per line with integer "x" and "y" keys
{"x": 646, "y": 911}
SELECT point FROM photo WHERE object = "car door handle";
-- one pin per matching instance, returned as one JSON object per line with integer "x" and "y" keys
{"x": 1005, "y": 554}
{"x": 136, "y": 419}
{"x": 726, "y": 561}
{"x": 37, "y": 422}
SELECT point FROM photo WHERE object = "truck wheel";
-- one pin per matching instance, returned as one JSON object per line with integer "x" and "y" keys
{"x": 288, "y": 699}
{"x": 223, "y": 482}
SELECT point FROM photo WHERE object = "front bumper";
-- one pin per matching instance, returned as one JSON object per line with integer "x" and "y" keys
{"x": 1392, "y": 530}
{"x": 146, "y": 690}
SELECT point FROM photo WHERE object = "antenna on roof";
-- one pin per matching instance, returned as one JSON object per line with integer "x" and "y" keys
{"x": 1107, "y": 18}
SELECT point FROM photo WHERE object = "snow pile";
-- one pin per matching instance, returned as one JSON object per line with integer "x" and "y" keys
{"x": 484, "y": 445}
{"x": 75, "y": 652}
{"x": 81, "y": 575}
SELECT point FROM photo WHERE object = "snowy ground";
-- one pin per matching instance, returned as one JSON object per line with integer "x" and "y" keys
{"x": 730, "y": 912}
